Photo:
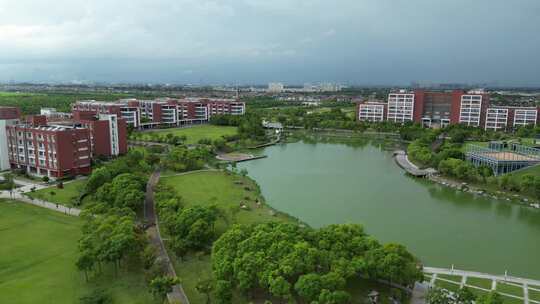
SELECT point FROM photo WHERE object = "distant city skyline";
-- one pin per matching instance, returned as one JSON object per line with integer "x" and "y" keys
{"x": 356, "y": 42}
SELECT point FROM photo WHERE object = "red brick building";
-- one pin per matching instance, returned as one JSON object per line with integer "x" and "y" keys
{"x": 164, "y": 111}
{"x": 54, "y": 151}
{"x": 62, "y": 147}
{"x": 442, "y": 108}
{"x": 108, "y": 133}
{"x": 127, "y": 109}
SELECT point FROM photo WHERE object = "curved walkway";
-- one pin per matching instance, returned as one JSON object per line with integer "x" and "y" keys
{"x": 177, "y": 295}
{"x": 403, "y": 161}
{"x": 525, "y": 284}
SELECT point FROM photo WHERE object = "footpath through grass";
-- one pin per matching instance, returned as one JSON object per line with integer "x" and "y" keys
{"x": 38, "y": 250}
{"x": 193, "y": 134}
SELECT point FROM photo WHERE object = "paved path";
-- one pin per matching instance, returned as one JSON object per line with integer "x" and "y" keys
{"x": 177, "y": 295}
{"x": 19, "y": 195}
{"x": 403, "y": 161}
{"x": 419, "y": 293}
{"x": 523, "y": 283}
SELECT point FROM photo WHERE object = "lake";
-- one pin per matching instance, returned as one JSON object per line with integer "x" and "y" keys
{"x": 359, "y": 182}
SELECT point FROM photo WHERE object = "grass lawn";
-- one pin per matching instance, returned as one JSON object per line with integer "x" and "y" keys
{"x": 533, "y": 294}
{"x": 509, "y": 300}
{"x": 227, "y": 192}
{"x": 37, "y": 256}
{"x": 447, "y": 285}
{"x": 479, "y": 282}
{"x": 510, "y": 289}
{"x": 195, "y": 133}
{"x": 534, "y": 170}
{"x": 450, "y": 277}
{"x": 65, "y": 196}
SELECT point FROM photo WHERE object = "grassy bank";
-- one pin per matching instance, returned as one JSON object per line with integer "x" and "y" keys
{"x": 192, "y": 134}
{"x": 227, "y": 192}
{"x": 37, "y": 261}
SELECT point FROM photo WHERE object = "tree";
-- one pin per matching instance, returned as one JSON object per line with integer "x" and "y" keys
{"x": 309, "y": 286}
{"x": 527, "y": 183}
{"x": 45, "y": 179}
{"x": 316, "y": 263}
{"x": 438, "y": 296}
{"x": 161, "y": 286}
{"x": 125, "y": 190}
{"x": 335, "y": 297}
{"x": 223, "y": 292}
{"x": 99, "y": 177}
{"x": 205, "y": 286}
{"x": 464, "y": 296}
{"x": 86, "y": 262}
{"x": 192, "y": 228}
{"x": 98, "y": 296}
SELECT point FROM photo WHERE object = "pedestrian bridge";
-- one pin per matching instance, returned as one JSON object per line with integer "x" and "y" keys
{"x": 516, "y": 288}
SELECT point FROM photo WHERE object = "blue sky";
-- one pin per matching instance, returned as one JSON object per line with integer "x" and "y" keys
{"x": 258, "y": 41}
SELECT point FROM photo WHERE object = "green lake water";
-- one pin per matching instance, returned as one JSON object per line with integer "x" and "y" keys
{"x": 328, "y": 183}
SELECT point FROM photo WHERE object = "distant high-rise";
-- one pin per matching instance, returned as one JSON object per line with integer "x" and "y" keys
{"x": 275, "y": 87}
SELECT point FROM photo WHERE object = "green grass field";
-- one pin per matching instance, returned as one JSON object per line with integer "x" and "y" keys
{"x": 37, "y": 255}
{"x": 195, "y": 133}
{"x": 533, "y": 294}
{"x": 510, "y": 289}
{"x": 66, "y": 196}
{"x": 479, "y": 282}
{"x": 534, "y": 170}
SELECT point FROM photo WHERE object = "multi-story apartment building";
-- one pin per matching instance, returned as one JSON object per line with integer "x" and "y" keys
{"x": 8, "y": 116}
{"x": 62, "y": 146}
{"x": 401, "y": 107}
{"x": 164, "y": 111}
{"x": 471, "y": 109}
{"x": 371, "y": 111}
{"x": 49, "y": 150}
{"x": 127, "y": 109}
{"x": 524, "y": 116}
{"x": 442, "y": 108}
{"x": 108, "y": 133}
{"x": 496, "y": 118}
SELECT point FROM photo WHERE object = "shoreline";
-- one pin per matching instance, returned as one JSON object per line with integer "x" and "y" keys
{"x": 500, "y": 195}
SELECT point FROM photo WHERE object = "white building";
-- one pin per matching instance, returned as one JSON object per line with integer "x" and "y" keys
{"x": 525, "y": 116}
{"x": 371, "y": 111}
{"x": 8, "y": 116}
{"x": 470, "y": 109}
{"x": 400, "y": 107}
{"x": 496, "y": 119}
{"x": 275, "y": 87}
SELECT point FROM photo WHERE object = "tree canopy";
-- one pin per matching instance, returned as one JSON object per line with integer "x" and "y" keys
{"x": 288, "y": 261}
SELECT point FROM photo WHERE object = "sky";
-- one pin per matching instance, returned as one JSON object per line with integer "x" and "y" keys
{"x": 383, "y": 42}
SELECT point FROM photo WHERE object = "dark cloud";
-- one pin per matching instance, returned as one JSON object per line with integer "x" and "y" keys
{"x": 256, "y": 41}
